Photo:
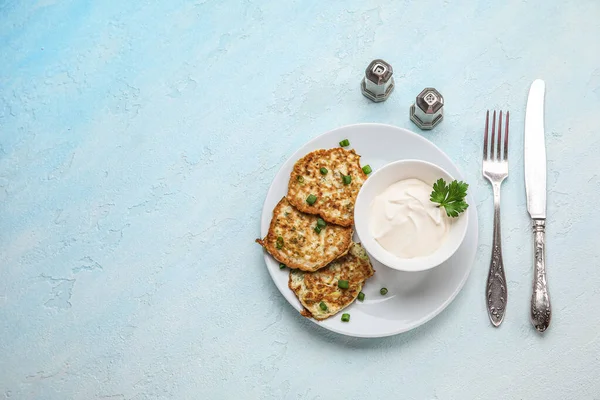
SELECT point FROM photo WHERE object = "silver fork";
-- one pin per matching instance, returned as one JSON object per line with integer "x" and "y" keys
{"x": 495, "y": 169}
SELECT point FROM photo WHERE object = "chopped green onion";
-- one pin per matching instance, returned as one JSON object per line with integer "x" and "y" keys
{"x": 367, "y": 169}
{"x": 347, "y": 179}
{"x": 282, "y": 265}
{"x": 317, "y": 229}
{"x": 383, "y": 291}
{"x": 323, "y": 171}
{"x": 323, "y": 306}
{"x": 311, "y": 199}
{"x": 342, "y": 284}
{"x": 361, "y": 296}
{"x": 279, "y": 243}
{"x": 345, "y": 317}
{"x": 300, "y": 178}
{"x": 321, "y": 223}
{"x": 345, "y": 143}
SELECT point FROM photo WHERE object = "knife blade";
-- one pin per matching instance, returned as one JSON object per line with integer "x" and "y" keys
{"x": 535, "y": 151}
{"x": 535, "y": 187}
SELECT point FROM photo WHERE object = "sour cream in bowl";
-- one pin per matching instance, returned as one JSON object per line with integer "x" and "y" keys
{"x": 399, "y": 225}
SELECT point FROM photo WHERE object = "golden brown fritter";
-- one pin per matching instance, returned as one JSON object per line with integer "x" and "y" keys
{"x": 335, "y": 200}
{"x": 312, "y": 288}
{"x": 300, "y": 247}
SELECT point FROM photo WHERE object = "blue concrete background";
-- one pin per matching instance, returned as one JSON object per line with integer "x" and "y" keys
{"x": 137, "y": 143}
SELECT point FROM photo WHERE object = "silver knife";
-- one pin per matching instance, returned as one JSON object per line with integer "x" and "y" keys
{"x": 535, "y": 186}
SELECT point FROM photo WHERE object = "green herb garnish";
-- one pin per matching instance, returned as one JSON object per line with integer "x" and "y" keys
{"x": 343, "y": 284}
{"x": 451, "y": 197}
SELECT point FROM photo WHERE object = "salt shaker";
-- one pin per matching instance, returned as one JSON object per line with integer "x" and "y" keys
{"x": 428, "y": 110}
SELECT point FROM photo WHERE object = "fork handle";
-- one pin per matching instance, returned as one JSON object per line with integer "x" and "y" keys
{"x": 496, "y": 292}
{"x": 540, "y": 300}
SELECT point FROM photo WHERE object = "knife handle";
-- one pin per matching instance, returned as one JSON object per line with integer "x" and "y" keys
{"x": 496, "y": 291}
{"x": 540, "y": 300}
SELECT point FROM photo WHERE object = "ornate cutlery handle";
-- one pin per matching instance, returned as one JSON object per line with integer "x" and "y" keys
{"x": 496, "y": 291}
{"x": 540, "y": 301}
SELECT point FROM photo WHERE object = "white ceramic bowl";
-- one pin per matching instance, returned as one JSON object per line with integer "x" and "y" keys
{"x": 377, "y": 182}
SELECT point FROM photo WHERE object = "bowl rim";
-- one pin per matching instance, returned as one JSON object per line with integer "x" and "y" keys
{"x": 385, "y": 257}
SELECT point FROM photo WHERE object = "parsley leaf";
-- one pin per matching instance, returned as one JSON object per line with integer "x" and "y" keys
{"x": 451, "y": 197}
{"x": 440, "y": 191}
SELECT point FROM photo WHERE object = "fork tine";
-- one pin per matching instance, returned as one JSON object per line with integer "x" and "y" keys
{"x": 485, "y": 136}
{"x": 492, "y": 154}
{"x": 499, "y": 149}
{"x": 506, "y": 138}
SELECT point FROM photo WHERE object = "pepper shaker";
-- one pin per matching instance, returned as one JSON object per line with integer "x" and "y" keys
{"x": 378, "y": 82}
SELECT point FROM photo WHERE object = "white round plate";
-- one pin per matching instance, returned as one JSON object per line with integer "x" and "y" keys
{"x": 413, "y": 297}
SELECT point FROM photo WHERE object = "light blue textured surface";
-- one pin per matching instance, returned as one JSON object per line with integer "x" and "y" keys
{"x": 137, "y": 143}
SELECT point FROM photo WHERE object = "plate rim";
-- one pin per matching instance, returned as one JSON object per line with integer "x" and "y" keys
{"x": 472, "y": 215}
